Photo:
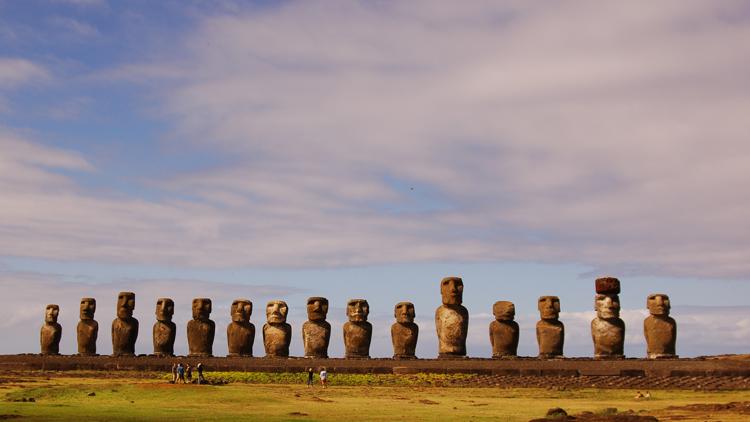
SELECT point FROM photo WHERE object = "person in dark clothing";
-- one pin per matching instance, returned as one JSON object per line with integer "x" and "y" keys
{"x": 180, "y": 373}
{"x": 310, "y": 377}
{"x": 189, "y": 373}
{"x": 199, "y": 368}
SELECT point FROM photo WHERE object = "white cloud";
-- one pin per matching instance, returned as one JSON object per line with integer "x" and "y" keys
{"x": 15, "y": 72}
{"x": 75, "y": 27}
{"x": 605, "y": 134}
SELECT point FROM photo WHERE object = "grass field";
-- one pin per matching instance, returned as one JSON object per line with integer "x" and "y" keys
{"x": 69, "y": 397}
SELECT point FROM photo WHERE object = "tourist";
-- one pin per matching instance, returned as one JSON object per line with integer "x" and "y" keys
{"x": 309, "y": 377}
{"x": 189, "y": 373}
{"x": 174, "y": 373}
{"x": 199, "y": 368}
{"x": 323, "y": 377}
{"x": 180, "y": 373}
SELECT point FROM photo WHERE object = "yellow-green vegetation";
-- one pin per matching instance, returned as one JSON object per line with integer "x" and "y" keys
{"x": 63, "y": 397}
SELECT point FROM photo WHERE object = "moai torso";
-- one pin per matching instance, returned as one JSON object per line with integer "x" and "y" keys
{"x": 550, "y": 332}
{"x": 277, "y": 334}
{"x": 404, "y": 332}
{"x": 504, "y": 337}
{"x": 276, "y": 339}
{"x": 200, "y": 329}
{"x": 316, "y": 331}
{"x": 124, "y": 327}
{"x": 315, "y": 336}
{"x": 164, "y": 334}
{"x": 241, "y": 332}
{"x": 551, "y": 337}
{"x": 357, "y": 337}
{"x": 124, "y": 335}
{"x": 451, "y": 319}
{"x": 88, "y": 329}
{"x": 51, "y": 332}
{"x": 504, "y": 331}
{"x": 609, "y": 337}
{"x": 165, "y": 330}
{"x": 357, "y": 331}
{"x": 659, "y": 328}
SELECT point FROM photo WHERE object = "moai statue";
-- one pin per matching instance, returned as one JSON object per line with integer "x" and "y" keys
{"x": 660, "y": 329}
{"x": 51, "y": 331}
{"x": 316, "y": 331}
{"x": 124, "y": 327}
{"x": 200, "y": 329}
{"x": 503, "y": 330}
{"x": 88, "y": 328}
{"x": 550, "y": 332}
{"x": 164, "y": 329}
{"x": 607, "y": 329}
{"x": 277, "y": 334}
{"x": 241, "y": 332}
{"x": 404, "y": 332}
{"x": 451, "y": 319}
{"x": 357, "y": 331}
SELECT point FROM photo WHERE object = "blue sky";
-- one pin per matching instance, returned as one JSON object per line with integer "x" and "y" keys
{"x": 366, "y": 149}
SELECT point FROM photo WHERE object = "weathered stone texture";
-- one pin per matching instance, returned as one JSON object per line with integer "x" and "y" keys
{"x": 316, "y": 331}
{"x": 241, "y": 332}
{"x": 51, "y": 332}
{"x": 88, "y": 329}
{"x": 404, "y": 332}
{"x": 659, "y": 328}
{"x": 504, "y": 331}
{"x": 451, "y": 319}
{"x": 357, "y": 331}
{"x": 550, "y": 332}
{"x": 165, "y": 330}
{"x": 201, "y": 330}
{"x": 124, "y": 327}
{"x": 277, "y": 334}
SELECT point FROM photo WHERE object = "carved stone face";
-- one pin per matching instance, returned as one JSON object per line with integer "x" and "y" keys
{"x": 125, "y": 305}
{"x": 201, "y": 308}
{"x": 241, "y": 310}
{"x": 164, "y": 309}
{"x": 317, "y": 308}
{"x": 50, "y": 313}
{"x": 276, "y": 312}
{"x": 504, "y": 310}
{"x": 658, "y": 304}
{"x": 357, "y": 310}
{"x": 404, "y": 312}
{"x": 88, "y": 307}
{"x": 549, "y": 307}
{"x": 607, "y": 306}
{"x": 452, "y": 290}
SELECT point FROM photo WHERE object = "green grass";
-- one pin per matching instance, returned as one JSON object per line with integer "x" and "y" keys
{"x": 67, "y": 398}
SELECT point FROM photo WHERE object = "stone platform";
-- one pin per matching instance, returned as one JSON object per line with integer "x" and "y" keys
{"x": 573, "y": 367}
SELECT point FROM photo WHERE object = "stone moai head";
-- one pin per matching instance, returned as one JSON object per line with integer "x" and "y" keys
{"x": 452, "y": 290}
{"x": 88, "y": 307}
{"x": 404, "y": 312}
{"x": 276, "y": 312}
{"x": 241, "y": 310}
{"x": 607, "y": 306}
{"x": 549, "y": 307}
{"x": 658, "y": 304}
{"x": 317, "y": 308}
{"x": 607, "y": 301}
{"x": 51, "y": 313}
{"x": 125, "y": 305}
{"x": 357, "y": 310}
{"x": 201, "y": 308}
{"x": 164, "y": 309}
{"x": 504, "y": 310}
